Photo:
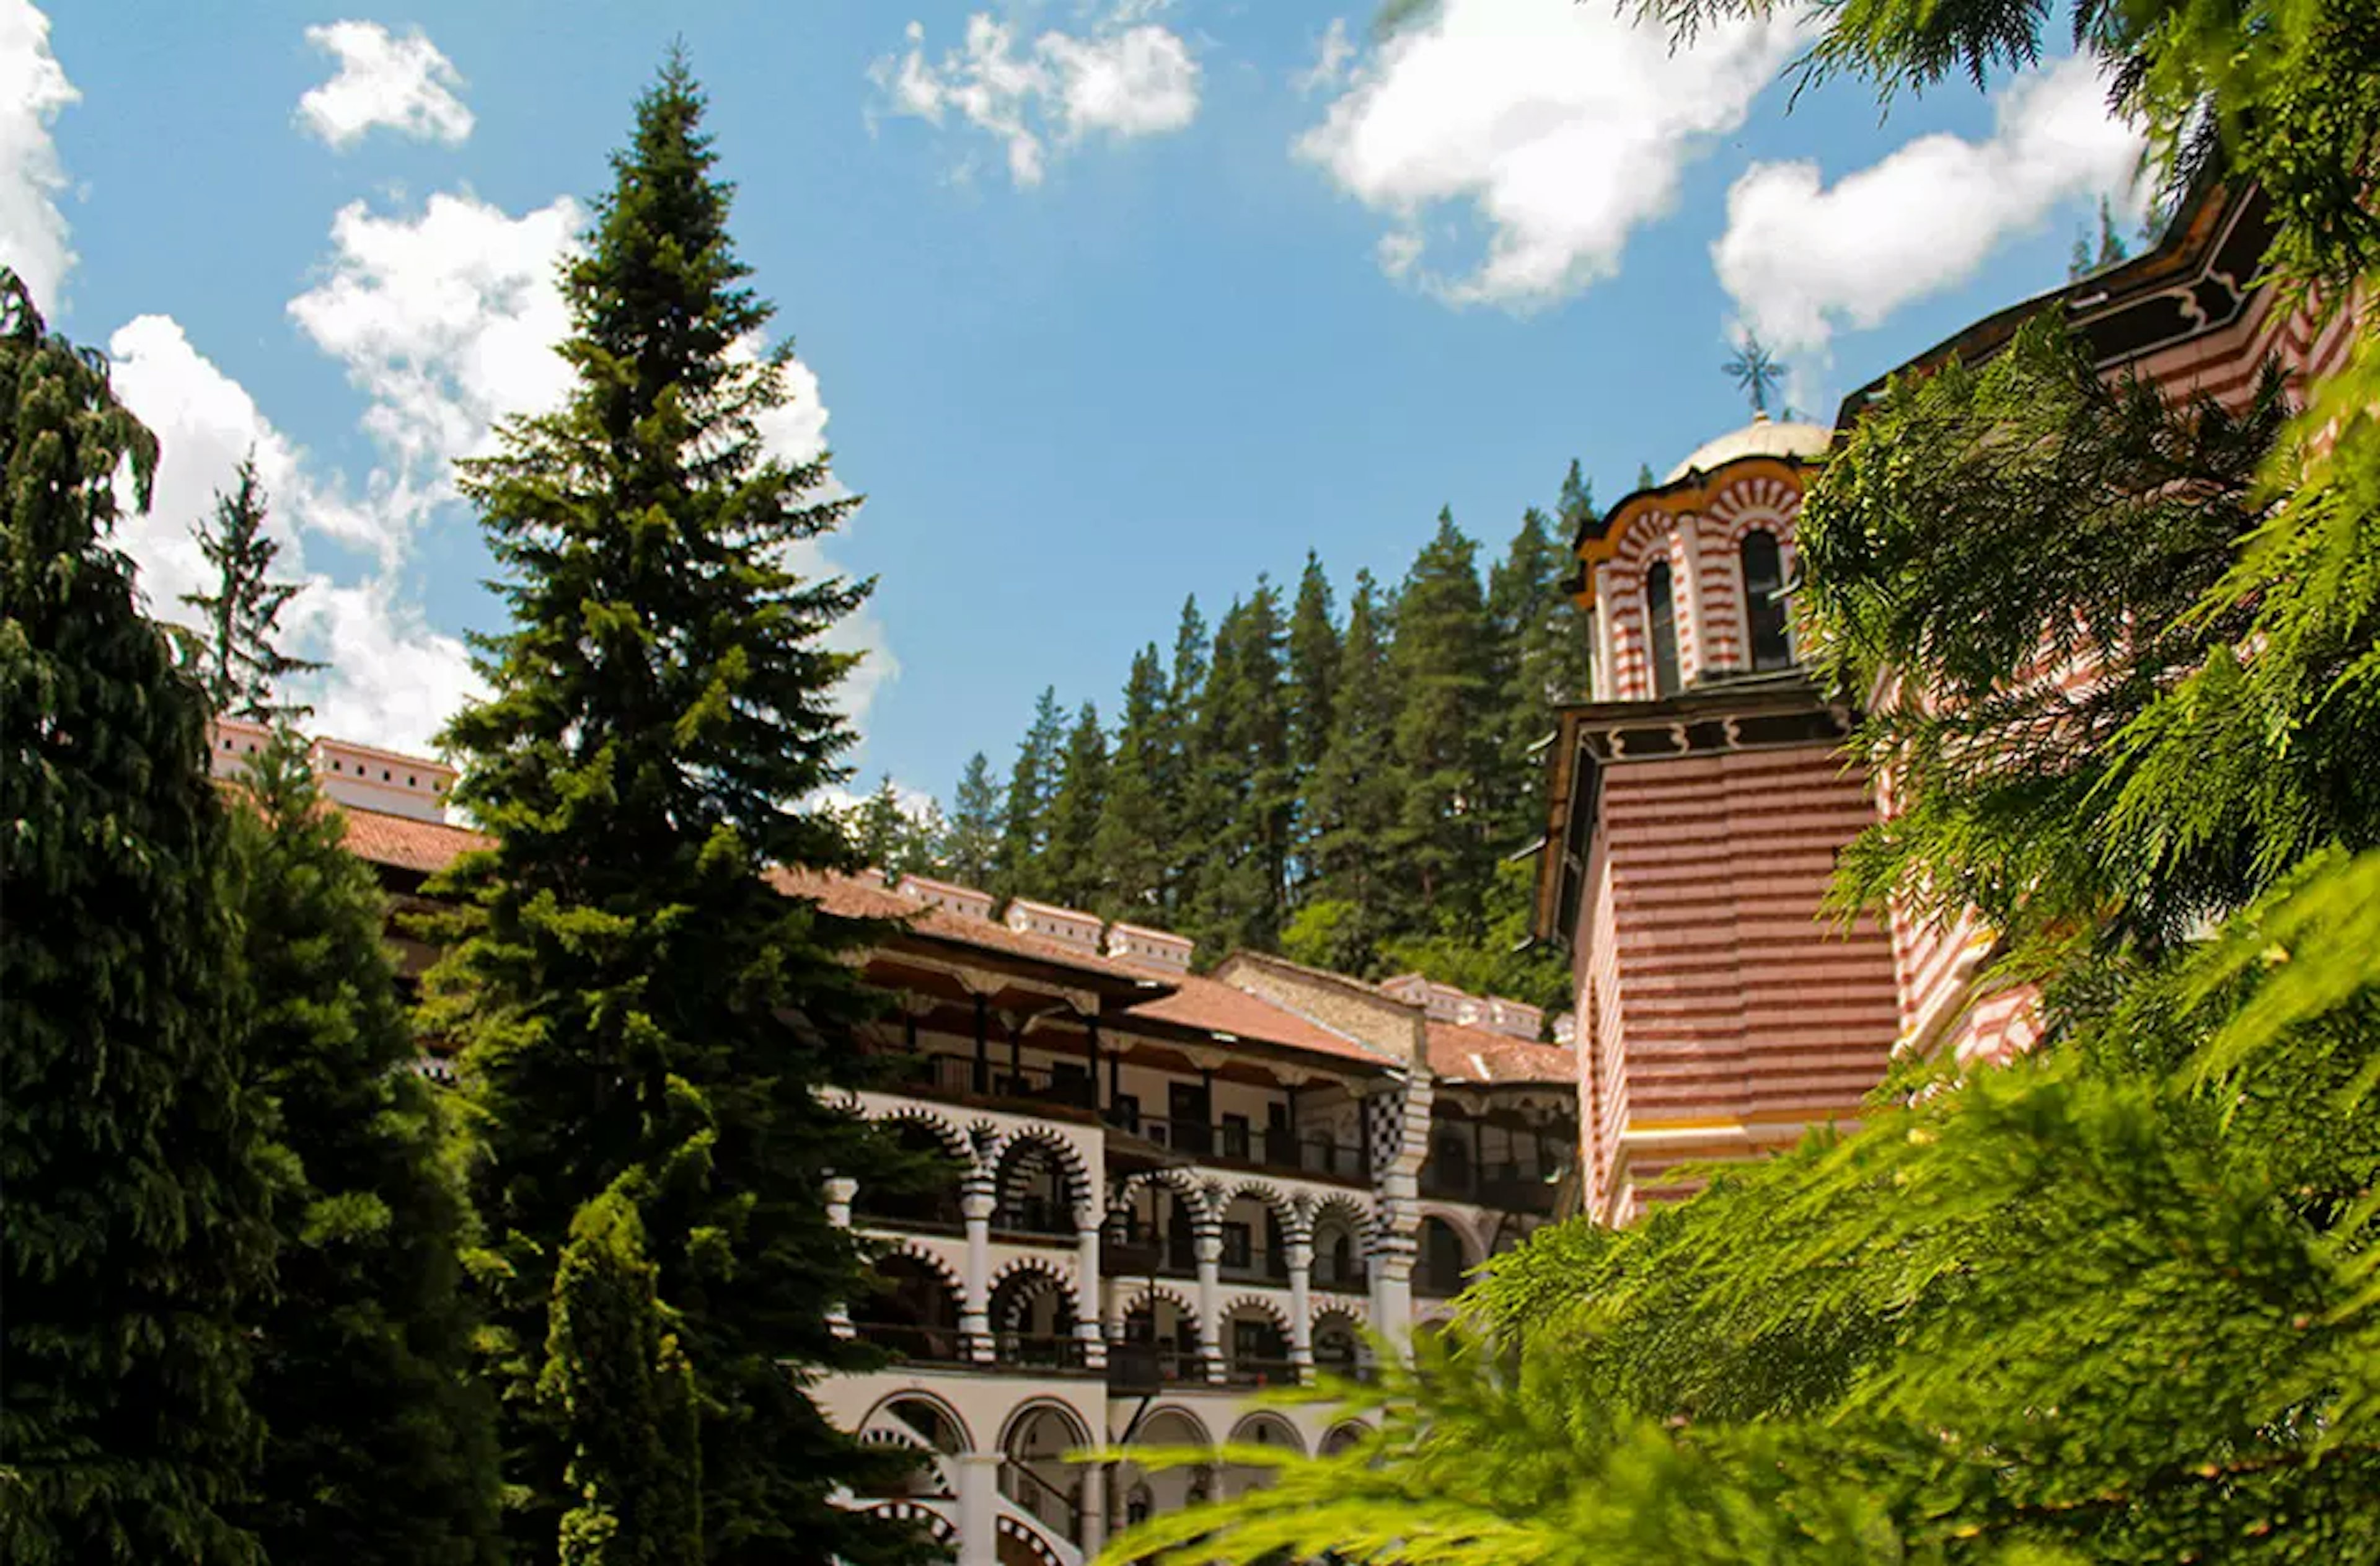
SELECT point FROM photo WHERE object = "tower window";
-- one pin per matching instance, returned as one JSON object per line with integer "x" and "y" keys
{"x": 1661, "y": 630}
{"x": 1764, "y": 607}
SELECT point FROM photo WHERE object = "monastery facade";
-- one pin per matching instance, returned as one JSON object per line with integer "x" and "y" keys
{"x": 1168, "y": 1191}
{"x": 1698, "y": 796}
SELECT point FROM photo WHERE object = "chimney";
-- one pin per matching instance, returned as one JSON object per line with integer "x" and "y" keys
{"x": 1444, "y": 1003}
{"x": 1146, "y": 948}
{"x": 1067, "y": 927}
{"x": 960, "y": 901}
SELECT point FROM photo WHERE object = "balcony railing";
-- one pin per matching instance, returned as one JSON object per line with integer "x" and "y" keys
{"x": 1049, "y": 1351}
{"x": 1510, "y": 1186}
{"x": 1274, "y": 1147}
{"x": 1035, "y": 1215}
{"x": 918, "y": 1345}
{"x": 958, "y": 1077}
{"x": 1145, "y": 1367}
{"x": 1254, "y": 1370}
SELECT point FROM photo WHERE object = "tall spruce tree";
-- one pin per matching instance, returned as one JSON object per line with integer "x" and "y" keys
{"x": 1540, "y": 661}
{"x": 1312, "y": 685}
{"x": 137, "y": 1234}
{"x": 647, "y": 1008}
{"x": 239, "y": 668}
{"x": 971, "y": 845}
{"x": 1187, "y": 826}
{"x": 1132, "y": 846}
{"x": 380, "y": 1443}
{"x": 1075, "y": 806}
{"x": 1446, "y": 731}
{"x": 1022, "y": 867}
{"x": 889, "y": 835}
{"x": 1353, "y": 803}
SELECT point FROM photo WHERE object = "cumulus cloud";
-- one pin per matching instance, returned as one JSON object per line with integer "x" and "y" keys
{"x": 1562, "y": 128}
{"x": 1803, "y": 259}
{"x": 33, "y": 89}
{"x": 1126, "y": 77}
{"x": 402, "y": 84}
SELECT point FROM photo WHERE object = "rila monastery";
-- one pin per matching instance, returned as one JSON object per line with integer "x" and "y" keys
{"x": 1177, "y": 1180}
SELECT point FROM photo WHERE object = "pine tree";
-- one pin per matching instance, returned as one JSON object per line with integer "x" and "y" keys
{"x": 1645, "y": 479}
{"x": 1188, "y": 829}
{"x": 138, "y": 1237}
{"x": 1353, "y": 803}
{"x": 1131, "y": 846}
{"x": 1445, "y": 738}
{"x": 1022, "y": 867}
{"x": 1075, "y": 807}
{"x": 646, "y": 1004}
{"x": 240, "y": 669}
{"x": 1574, "y": 507}
{"x": 1312, "y": 683}
{"x": 380, "y": 1444}
{"x": 1245, "y": 792}
{"x": 1541, "y": 661}
{"x": 618, "y": 1381}
{"x": 887, "y": 836}
{"x": 971, "y": 845}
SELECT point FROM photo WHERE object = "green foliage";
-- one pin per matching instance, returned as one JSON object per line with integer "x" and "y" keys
{"x": 1442, "y": 847}
{"x": 138, "y": 1234}
{"x": 617, "y": 1381}
{"x": 1130, "y": 847}
{"x": 379, "y": 1446}
{"x": 644, "y": 1006}
{"x": 1489, "y": 954}
{"x": 971, "y": 845}
{"x": 1019, "y": 869}
{"x": 238, "y": 666}
{"x": 1075, "y": 807}
{"x": 886, "y": 833}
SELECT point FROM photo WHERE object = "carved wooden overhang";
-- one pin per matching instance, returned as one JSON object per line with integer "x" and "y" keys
{"x": 1740, "y": 714}
{"x": 2194, "y": 282}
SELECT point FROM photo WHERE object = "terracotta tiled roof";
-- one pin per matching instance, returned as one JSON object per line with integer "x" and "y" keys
{"x": 1476, "y": 1055}
{"x": 866, "y": 899}
{"x": 404, "y": 844}
{"x": 1207, "y": 1004}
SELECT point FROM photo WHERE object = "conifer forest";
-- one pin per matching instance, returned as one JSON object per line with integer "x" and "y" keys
{"x": 521, "y": 1173}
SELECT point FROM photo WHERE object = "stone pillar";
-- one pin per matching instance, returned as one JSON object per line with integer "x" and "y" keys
{"x": 1607, "y": 637}
{"x": 840, "y": 1191}
{"x": 1094, "y": 1507}
{"x": 1208, "y": 1237}
{"x": 1086, "y": 1289}
{"x": 1697, "y": 625}
{"x": 979, "y": 1506}
{"x": 1299, "y": 1243}
{"x": 1392, "y": 1262}
{"x": 977, "y": 1196}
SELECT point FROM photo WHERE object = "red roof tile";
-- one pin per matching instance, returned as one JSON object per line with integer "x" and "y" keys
{"x": 1217, "y": 1007}
{"x": 866, "y": 899}
{"x": 404, "y": 844}
{"x": 1474, "y": 1055}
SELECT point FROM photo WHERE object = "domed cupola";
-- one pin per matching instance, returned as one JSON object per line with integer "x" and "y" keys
{"x": 1685, "y": 578}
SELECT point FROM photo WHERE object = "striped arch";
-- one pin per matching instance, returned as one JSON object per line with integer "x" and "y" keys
{"x": 1181, "y": 1181}
{"x": 1145, "y": 1290}
{"x": 1351, "y": 1311}
{"x": 936, "y": 1526}
{"x": 1755, "y": 500}
{"x": 1056, "y": 1273}
{"x": 1264, "y": 1306}
{"x": 1028, "y": 1536}
{"x": 1078, "y": 1432}
{"x": 1069, "y": 1159}
{"x": 940, "y": 1265}
{"x": 1355, "y": 1214}
{"x": 882, "y": 1418}
{"x": 1276, "y": 1201}
{"x": 945, "y": 1131}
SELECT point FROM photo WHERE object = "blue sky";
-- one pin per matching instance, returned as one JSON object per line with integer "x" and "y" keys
{"x": 1105, "y": 303}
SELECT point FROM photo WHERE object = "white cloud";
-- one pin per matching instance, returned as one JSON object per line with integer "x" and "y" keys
{"x": 404, "y": 84}
{"x": 394, "y": 680}
{"x": 1332, "y": 57}
{"x": 1564, "y": 127}
{"x": 447, "y": 320}
{"x": 1803, "y": 259}
{"x": 33, "y": 89}
{"x": 1126, "y": 77}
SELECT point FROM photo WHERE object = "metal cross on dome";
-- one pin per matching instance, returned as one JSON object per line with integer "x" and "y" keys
{"x": 1755, "y": 371}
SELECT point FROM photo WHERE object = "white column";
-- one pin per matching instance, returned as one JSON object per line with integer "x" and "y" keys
{"x": 1698, "y": 628}
{"x": 1094, "y": 1507}
{"x": 1391, "y": 1263}
{"x": 977, "y": 1198}
{"x": 978, "y": 1505}
{"x": 840, "y": 1191}
{"x": 1300, "y": 1246}
{"x": 1086, "y": 1290}
{"x": 1607, "y": 637}
{"x": 1209, "y": 1238}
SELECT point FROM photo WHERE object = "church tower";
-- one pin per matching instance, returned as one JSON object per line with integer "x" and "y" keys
{"x": 1697, "y": 805}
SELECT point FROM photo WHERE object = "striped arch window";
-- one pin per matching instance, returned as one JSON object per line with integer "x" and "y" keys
{"x": 1764, "y": 603}
{"x": 1661, "y": 630}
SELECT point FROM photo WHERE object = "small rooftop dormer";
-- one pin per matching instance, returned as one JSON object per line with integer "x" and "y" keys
{"x": 232, "y": 743}
{"x": 1147, "y": 948}
{"x": 1067, "y": 927}
{"x": 1444, "y": 1003}
{"x": 962, "y": 902}
{"x": 370, "y": 779}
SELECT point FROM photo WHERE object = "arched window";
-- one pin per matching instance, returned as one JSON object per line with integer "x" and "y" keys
{"x": 1662, "y": 628}
{"x": 1764, "y": 609}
